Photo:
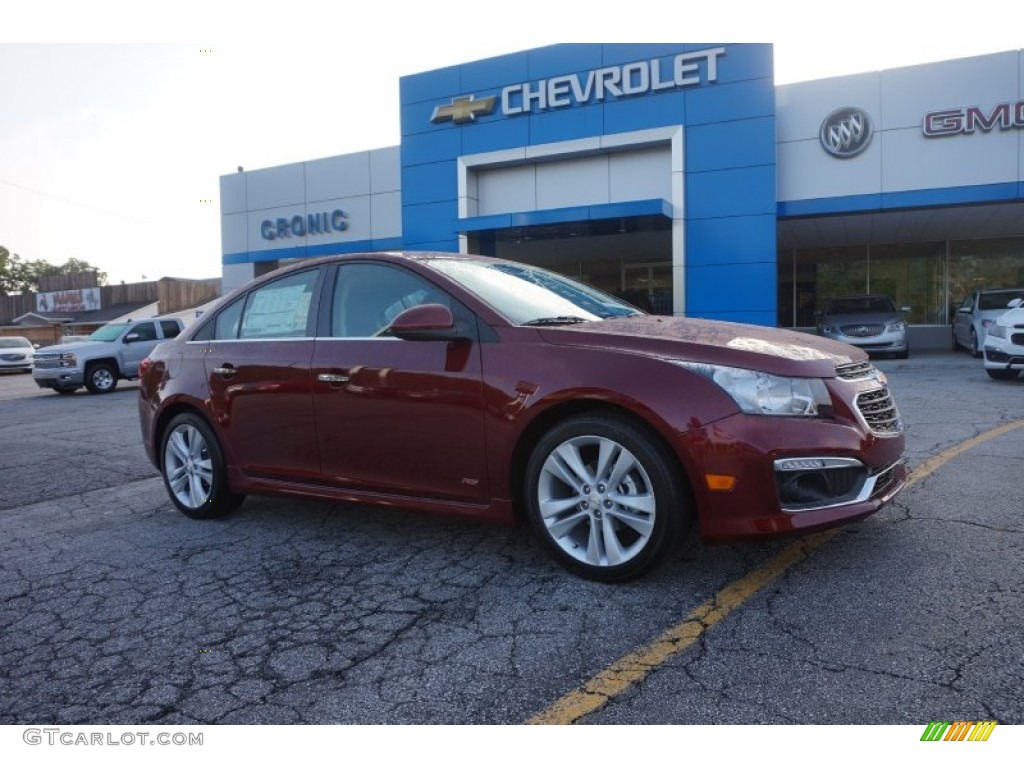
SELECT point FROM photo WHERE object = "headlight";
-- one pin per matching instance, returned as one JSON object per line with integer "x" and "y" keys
{"x": 985, "y": 322}
{"x": 764, "y": 394}
{"x": 68, "y": 360}
{"x": 997, "y": 331}
{"x": 896, "y": 326}
{"x": 826, "y": 328}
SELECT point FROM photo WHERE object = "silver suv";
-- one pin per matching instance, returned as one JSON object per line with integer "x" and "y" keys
{"x": 870, "y": 321}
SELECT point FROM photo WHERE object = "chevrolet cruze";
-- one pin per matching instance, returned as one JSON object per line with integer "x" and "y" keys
{"x": 497, "y": 391}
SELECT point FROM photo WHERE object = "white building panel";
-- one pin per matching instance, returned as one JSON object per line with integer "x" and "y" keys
{"x": 909, "y": 93}
{"x": 386, "y": 215}
{"x": 504, "y": 190}
{"x": 357, "y": 212}
{"x": 232, "y": 194}
{"x": 579, "y": 181}
{"x": 911, "y": 161}
{"x": 807, "y": 172}
{"x": 275, "y": 187}
{"x": 801, "y": 107}
{"x": 641, "y": 175}
{"x": 386, "y": 170}
{"x": 341, "y": 176}
{"x": 234, "y": 236}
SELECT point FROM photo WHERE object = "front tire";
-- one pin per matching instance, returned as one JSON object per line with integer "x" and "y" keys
{"x": 194, "y": 471}
{"x": 605, "y": 497}
{"x": 975, "y": 352}
{"x": 101, "y": 378}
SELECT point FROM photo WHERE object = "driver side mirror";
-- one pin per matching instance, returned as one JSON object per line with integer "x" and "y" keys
{"x": 427, "y": 322}
{"x": 128, "y": 339}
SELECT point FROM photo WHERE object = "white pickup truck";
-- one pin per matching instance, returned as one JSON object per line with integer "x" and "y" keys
{"x": 111, "y": 353}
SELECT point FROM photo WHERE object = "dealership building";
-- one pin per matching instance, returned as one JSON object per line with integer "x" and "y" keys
{"x": 680, "y": 177}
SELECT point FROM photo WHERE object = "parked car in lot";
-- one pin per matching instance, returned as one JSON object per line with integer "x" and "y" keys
{"x": 1004, "y": 343}
{"x": 16, "y": 354}
{"x": 976, "y": 313}
{"x": 489, "y": 389}
{"x": 111, "y": 353}
{"x": 870, "y": 321}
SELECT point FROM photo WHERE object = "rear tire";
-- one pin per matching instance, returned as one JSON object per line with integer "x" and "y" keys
{"x": 605, "y": 497}
{"x": 194, "y": 470}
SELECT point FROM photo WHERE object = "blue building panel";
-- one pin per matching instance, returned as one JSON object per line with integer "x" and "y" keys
{"x": 747, "y": 61}
{"x": 565, "y": 124}
{"x": 439, "y": 146}
{"x": 731, "y": 101}
{"x": 737, "y": 192}
{"x": 494, "y": 134}
{"x": 429, "y": 222}
{"x": 731, "y": 240}
{"x": 729, "y": 288}
{"x": 736, "y": 144}
{"x": 415, "y": 118}
{"x": 642, "y": 112}
{"x": 490, "y": 74}
{"x": 429, "y": 183}
{"x": 428, "y": 86}
{"x": 557, "y": 60}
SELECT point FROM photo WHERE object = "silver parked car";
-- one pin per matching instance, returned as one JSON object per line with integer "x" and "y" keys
{"x": 870, "y": 321}
{"x": 977, "y": 312}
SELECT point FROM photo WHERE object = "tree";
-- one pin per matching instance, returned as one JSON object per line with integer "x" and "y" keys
{"x": 20, "y": 276}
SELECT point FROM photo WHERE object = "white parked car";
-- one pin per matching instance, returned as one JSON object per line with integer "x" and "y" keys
{"x": 16, "y": 353}
{"x": 1004, "y": 343}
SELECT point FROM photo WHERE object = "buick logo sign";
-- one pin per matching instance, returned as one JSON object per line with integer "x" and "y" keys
{"x": 846, "y": 132}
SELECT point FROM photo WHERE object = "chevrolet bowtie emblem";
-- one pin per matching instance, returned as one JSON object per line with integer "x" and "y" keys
{"x": 463, "y": 109}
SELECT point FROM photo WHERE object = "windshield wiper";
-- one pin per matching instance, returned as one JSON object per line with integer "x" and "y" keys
{"x": 559, "y": 320}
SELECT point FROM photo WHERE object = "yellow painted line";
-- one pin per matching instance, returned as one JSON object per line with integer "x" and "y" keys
{"x": 633, "y": 668}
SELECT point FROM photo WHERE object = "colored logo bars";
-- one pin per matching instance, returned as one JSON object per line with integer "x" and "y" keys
{"x": 960, "y": 730}
{"x": 846, "y": 132}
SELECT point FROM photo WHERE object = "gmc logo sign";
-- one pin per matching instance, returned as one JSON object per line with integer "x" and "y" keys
{"x": 950, "y": 122}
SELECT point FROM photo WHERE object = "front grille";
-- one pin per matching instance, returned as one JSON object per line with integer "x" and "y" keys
{"x": 12, "y": 357}
{"x": 879, "y": 411}
{"x": 884, "y": 480}
{"x": 1017, "y": 339}
{"x": 48, "y": 361}
{"x": 855, "y": 371}
{"x": 862, "y": 330}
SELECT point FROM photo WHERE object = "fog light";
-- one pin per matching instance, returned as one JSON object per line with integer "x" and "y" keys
{"x": 720, "y": 482}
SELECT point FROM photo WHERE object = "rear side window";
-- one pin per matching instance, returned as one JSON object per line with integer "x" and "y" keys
{"x": 280, "y": 309}
{"x": 170, "y": 328}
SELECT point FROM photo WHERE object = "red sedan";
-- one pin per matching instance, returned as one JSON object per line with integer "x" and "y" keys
{"x": 484, "y": 388}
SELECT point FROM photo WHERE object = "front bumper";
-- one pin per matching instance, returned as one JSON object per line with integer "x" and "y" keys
{"x": 889, "y": 341}
{"x": 1001, "y": 354}
{"x": 58, "y": 378}
{"x": 779, "y": 488}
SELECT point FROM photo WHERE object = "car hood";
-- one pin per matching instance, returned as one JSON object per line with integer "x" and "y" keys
{"x": 75, "y": 346}
{"x": 784, "y": 353}
{"x": 1011, "y": 317}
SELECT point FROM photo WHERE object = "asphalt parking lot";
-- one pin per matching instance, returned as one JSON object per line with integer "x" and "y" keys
{"x": 118, "y": 609}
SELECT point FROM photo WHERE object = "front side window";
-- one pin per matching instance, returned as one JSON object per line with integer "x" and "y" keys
{"x": 368, "y": 297}
{"x": 144, "y": 331}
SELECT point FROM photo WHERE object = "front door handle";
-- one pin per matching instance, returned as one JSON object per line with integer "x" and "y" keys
{"x": 332, "y": 378}
{"x": 226, "y": 370}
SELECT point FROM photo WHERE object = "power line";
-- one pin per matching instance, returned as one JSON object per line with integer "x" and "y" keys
{"x": 76, "y": 203}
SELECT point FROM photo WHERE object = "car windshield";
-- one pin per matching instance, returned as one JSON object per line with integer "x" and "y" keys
{"x": 15, "y": 342}
{"x": 998, "y": 300}
{"x": 108, "y": 332}
{"x": 532, "y": 296}
{"x": 862, "y": 305}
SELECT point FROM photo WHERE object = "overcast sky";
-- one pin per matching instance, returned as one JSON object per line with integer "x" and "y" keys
{"x": 117, "y": 120}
